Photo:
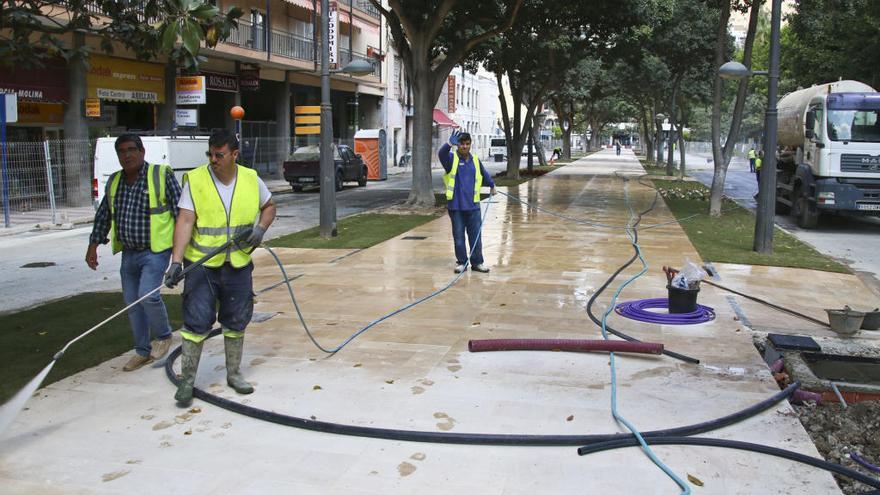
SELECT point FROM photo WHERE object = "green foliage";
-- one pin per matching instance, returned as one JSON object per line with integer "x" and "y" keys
{"x": 36, "y": 30}
{"x": 832, "y": 39}
{"x": 729, "y": 238}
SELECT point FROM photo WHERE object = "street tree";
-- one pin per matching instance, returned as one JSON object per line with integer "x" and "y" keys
{"x": 833, "y": 39}
{"x": 721, "y": 155}
{"x": 36, "y": 31}
{"x": 432, "y": 37}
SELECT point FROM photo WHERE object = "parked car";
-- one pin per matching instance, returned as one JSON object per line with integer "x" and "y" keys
{"x": 303, "y": 168}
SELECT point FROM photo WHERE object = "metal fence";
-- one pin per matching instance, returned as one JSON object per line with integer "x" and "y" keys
{"x": 47, "y": 175}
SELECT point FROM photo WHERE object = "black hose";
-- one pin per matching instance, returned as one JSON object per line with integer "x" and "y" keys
{"x": 735, "y": 444}
{"x": 623, "y": 267}
{"x": 462, "y": 438}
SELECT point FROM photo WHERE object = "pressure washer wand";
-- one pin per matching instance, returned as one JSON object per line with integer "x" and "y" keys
{"x": 10, "y": 409}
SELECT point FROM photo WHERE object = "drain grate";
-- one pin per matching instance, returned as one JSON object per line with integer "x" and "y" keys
{"x": 414, "y": 238}
{"x": 851, "y": 369}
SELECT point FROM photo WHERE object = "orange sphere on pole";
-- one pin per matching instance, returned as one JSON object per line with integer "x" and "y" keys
{"x": 237, "y": 112}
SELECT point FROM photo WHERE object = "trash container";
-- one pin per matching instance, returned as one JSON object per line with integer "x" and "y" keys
{"x": 682, "y": 300}
{"x": 370, "y": 144}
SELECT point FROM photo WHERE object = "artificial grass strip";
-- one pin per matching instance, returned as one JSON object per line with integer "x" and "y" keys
{"x": 30, "y": 338}
{"x": 730, "y": 237}
{"x": 354, "y": 232}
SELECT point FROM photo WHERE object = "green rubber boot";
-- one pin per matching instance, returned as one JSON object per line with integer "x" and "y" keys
{"x": 234, "y": 351}
{"x": 189, "y": 365}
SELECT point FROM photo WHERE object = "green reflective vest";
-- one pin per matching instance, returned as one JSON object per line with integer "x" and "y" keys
{"x": 752, "y": 154}
{"x": 758, "y": 163}
{"x": 449, "y": 178}
{"x": 161, "y": 219}
{"x": 213, "y": 225}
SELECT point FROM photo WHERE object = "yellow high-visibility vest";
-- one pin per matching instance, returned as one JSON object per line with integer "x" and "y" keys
{"x": 449, "y": 178}
{"x": 161, "y": 219}
{"x": 752, "y": 154}
{"x": 758, "y": 163}
{"x": 213, "y": 226}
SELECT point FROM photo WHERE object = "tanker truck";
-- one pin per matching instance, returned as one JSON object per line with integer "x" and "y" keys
{"x": 829, "y": 160}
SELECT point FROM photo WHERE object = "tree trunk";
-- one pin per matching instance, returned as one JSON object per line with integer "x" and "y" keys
{"x": 719, "y": 155}
{"x": 566, "y": 142}
{"x": 77, "y": 156}
{"x": 681, "y": 155}
{"x": 422, "y": 193}
{"x": 539, "y": 145}
{"x": 673, "y": 128}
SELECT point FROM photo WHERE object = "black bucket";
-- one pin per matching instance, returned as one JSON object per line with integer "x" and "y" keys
{"x": 682, "y": 300}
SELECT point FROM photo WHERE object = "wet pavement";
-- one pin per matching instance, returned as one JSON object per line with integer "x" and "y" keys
{"x": 105, "y": 431}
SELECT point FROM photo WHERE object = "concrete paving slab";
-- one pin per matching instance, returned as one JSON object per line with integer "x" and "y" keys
{"x": 105, "y": 431}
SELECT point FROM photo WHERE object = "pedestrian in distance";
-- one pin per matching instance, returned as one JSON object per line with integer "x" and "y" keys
{"x": 138, "y": 212}
{"x": 617, "y": 146}
{"x": 758, "y": 162}
{"x": 219, "y": 201}
{"x": 752, "y": 156}
{"x": 464, "y": 178}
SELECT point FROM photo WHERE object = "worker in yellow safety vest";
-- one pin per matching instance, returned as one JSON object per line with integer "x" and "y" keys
{"x": 219, "y": 201}
{"x": 138, "y": 212}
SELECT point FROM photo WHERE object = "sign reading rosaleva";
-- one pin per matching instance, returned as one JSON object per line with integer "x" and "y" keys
{"x": 125, "y": 95}
{"x": 190, "y": 90}
{"x": 216, "y": 81}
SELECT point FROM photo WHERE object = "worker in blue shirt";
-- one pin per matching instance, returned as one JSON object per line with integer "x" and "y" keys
{"x": 464, "y": 178}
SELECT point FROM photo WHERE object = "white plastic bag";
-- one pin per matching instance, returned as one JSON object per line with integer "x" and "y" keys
{"x": 689, "y": 277}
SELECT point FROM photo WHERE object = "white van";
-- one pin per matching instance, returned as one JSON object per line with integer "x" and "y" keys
{"x": 182, "y": 153}
{"x": 498, "y": 149}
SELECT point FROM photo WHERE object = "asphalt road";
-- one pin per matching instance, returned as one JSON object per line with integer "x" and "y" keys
{"x": 851, "y": 239}
{"x": 47, "y": 265}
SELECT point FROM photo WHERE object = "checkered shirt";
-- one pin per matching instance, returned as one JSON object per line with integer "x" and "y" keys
{"x": 132, "y": 211}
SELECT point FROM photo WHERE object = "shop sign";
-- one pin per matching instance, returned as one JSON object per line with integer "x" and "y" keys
{"x": 93, "y": 108}
{"x": 333, "y": 32}
{"x": 249, "y": 79}
{"x": 107, "y": 118}
{"x": 126, "y": 95}
{"x": 47, "y": 84}
{"x": 450, "y": 94}
{"x": 112, "y": 78}
{"x": 34, "y": 112}
{"x": 190, "y": 90}
{"x": 215, "y": 81}
{"x": 186, "y": 117}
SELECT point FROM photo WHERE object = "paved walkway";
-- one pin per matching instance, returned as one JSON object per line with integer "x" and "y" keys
{"x": 105, "y": 431}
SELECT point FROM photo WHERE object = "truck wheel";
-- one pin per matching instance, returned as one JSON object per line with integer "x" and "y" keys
{"x": 297, "y": 187}
{"x": 805, "y": 215}
{"x": 362, "y": 180}
{"x": 339, "y": 181}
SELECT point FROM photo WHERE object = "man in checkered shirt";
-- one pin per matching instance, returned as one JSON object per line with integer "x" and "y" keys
{"x": 138, "y": 212}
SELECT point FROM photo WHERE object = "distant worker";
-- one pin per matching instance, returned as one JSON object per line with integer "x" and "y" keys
{"x": 752, "y": 156}
{"x": 219, "y": 201}
{"x": 557, "y": 153}
{"x": 758, "y": 162}
{"x": 138, "y": 212}
{"x": 617, "y": 146}
{"x": 464, "y": 178}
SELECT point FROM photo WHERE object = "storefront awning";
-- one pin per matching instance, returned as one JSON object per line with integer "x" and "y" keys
{"x": 43, "y": 85}
{"x": 443, "y": 120}
{"x": 118, "y": 79}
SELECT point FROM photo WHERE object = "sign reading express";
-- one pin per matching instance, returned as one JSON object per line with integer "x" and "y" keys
{"x": 112, "y": 78}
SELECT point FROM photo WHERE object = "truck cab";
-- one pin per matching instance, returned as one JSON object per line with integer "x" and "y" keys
{"x": 832, "y": 159}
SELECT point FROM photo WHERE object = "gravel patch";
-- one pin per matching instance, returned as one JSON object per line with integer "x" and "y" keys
{"x": 837, "y": 432}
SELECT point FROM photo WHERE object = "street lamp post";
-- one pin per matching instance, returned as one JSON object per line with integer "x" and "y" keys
{"x": 659, "y": 118}
{"x": 764, "y": 217}
{"x": 358, "y": 67}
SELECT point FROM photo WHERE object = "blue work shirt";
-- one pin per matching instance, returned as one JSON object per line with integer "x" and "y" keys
{"x": 463, "y": 195}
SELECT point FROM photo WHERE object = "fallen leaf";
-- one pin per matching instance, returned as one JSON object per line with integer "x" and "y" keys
{"x": 42, "y": 333}
{"x": 317, "y": 387}
{"x": 503, "y": 304}
{"x": 195, "y": 410}
{"x": 570, "y": 418}
{"x": 695, "y": 480}
{"x": 357, "y": 365}
{"x": 188, "y": 432}
{"x": 389, "y": 382}
{"x": 475, "y": 324}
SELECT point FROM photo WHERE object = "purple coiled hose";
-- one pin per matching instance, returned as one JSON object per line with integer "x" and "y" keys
{"x": 638, "y": 310}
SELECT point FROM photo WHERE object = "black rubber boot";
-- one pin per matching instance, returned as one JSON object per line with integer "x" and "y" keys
{"x": 234, "y": 350}
{"x": 189, "y": 365}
